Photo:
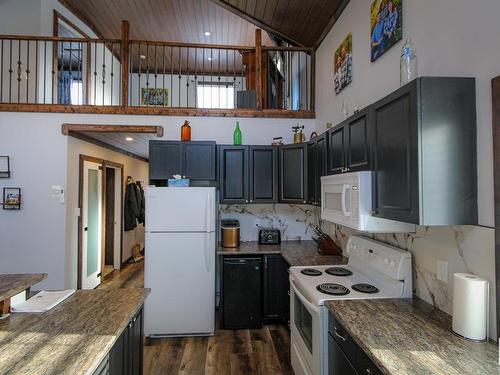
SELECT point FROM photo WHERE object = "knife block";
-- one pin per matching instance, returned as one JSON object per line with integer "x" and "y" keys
{"x": 328, "y": 247}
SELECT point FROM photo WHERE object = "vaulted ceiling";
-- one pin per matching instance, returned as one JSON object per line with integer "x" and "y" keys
{"x": 184, "y": 21}
{"x": 300, "y": 22}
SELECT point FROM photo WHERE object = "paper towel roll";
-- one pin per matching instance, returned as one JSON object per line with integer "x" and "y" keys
{"x": 470, "y": 306}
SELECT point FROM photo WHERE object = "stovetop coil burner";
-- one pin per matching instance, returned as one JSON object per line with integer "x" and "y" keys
{"x": 338, "y": 271}
{"x": 333, "y": 289}
{"x": 365, "y": 288}
{"x": 311, "y": 272}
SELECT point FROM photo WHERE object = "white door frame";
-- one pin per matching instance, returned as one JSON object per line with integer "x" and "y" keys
{"x": 93, "y": 280}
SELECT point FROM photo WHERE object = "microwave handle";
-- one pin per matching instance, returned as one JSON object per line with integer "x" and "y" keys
{"x": 346, "y": 213}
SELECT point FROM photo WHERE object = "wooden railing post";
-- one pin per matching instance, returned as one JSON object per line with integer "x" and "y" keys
{"x": 125, "y": 62}
{"x": 258, "y": 68}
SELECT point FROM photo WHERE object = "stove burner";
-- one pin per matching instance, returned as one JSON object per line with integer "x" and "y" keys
{"x": 365, "y": 288}
{"x": 311, "y": 272}
{"x": 338, "y": 271}
{"x": 333, "y": 289}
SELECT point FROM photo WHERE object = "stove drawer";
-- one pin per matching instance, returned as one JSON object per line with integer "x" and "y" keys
{"x": 341, "y": 337}
{"x": 364, "y": 364}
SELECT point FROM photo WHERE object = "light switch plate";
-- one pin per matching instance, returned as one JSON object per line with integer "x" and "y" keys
{"x": 442, "y": 270}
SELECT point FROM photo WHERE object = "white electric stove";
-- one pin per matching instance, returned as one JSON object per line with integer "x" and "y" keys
{"x": 374, "y": 270}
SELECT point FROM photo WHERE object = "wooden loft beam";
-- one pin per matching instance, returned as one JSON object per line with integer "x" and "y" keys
{"x": 67, "y": 128}
{"x": 255, "y": 21}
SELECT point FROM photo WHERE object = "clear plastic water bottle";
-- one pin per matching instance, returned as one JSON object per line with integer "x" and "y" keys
{"x": 408, "y": 63}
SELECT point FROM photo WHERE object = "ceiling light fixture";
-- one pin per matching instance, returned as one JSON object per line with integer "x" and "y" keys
{"x": 207, "y": 33}
{"x": 209, "y": 59}
{"x": 143, "y": 57}
{"x": 130, "y": 139}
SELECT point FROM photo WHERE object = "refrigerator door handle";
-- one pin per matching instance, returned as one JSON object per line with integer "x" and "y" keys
{"x": 207, "y": 252}
{"x": 208, "y": 214}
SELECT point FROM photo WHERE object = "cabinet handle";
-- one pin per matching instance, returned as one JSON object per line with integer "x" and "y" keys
{"x": 374, "y": 212}
{"x": 251, "y": 200}
{"x": 246, "y": 201}
{"x": 369, "y": 371}
{"x": 338, "y": 334}
{"x": 288, "y": 292}
{"x": 305, "y": 201}
{"x": 265, "y": 263}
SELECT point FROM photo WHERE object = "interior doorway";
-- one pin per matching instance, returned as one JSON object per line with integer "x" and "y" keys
{"x": 100, "y": 224}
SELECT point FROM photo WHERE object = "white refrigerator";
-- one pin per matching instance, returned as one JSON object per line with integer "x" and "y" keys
{"x": 180, "y": 261}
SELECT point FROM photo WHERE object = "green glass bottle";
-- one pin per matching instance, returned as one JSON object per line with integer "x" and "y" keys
{"x": 237, "y": 134}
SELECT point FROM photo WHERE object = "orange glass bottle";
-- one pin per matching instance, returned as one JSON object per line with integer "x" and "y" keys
{"x": 186, "y": 131}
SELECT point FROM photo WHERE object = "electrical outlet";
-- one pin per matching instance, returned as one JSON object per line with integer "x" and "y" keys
{"x": 442, "y": 270}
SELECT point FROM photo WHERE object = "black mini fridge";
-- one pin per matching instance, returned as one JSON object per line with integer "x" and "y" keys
{"x": 241, "y": 293}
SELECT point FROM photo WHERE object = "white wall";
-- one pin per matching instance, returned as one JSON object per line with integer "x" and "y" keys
{"x": 131, "y": 167}
{"x": 35, "y": 239}
{"x": 452, "y": 38}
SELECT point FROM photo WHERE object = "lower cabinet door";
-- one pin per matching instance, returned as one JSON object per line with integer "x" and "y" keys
{"x": 275, "y": 289}
{"x": 118, "y": 356}
{"x": 338, "y": 364}
{"x": 136, "y": 344}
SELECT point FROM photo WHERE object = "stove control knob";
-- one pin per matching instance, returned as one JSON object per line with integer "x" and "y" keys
{"x": 386, "y": 261}
{"x": 392, "y": 264}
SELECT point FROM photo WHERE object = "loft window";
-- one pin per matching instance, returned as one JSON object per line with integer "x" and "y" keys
{"x": 215, "y": 95}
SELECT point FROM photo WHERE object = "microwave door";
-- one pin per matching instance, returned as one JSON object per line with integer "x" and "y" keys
{"x": 346, "y": 200}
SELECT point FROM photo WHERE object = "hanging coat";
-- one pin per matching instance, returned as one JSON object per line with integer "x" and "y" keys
{"x": 131, "y": 209}
{"x": 142, "y": 205}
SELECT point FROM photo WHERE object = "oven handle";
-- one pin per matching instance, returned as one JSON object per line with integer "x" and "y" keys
{"x": 312, "y": 308}
{"x": 345, "y": 187}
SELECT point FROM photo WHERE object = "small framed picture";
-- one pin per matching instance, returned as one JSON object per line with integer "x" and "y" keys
{"x": 154, "y": 97}
{"x": 4, "y": 167}
{"x": 343, "y": 64}
{"x": 11, "y": 198}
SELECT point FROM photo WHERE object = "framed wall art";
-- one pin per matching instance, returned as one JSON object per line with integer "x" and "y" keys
{"x": 154, "y": 97}
{"x": 343, "y": 64}
{"x": 386, "y": 26}
{"x": 4, "y": 167}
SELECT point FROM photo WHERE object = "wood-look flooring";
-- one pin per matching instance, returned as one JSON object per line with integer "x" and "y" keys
{"x": 256, "y": 351}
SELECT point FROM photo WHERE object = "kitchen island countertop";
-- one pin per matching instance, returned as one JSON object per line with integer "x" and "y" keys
{"x": 409, "y": 336}
{"x": 72, "y": 338}
{"x": 12, "y": 284}
{"x": 296, "y": 253}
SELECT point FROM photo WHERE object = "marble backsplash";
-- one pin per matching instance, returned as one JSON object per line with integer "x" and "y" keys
{"x": 465, "y": 248}
{"x": 294, "y": 221}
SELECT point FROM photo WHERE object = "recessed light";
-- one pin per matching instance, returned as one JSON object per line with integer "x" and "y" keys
{"x": 143, "y": 57}
{"x": 207, "y": 33}
{"x": 130, "y": 139}
{"x": 209, "y": 59}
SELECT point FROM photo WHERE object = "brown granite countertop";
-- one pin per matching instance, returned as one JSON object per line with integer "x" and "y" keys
{"x": 72, "y": 338}
{"x": 12, "y": 284}
{"x": 296, "y": 253}
{"x": 409, "y": 336}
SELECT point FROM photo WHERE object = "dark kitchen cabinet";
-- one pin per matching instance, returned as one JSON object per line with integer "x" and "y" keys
{"x": 317, "y": 158}
{"x": 275, "y": 289}
{"x": 194, "y": 160}
{"x": 293, "y": 173}
{"x": 424, "y": 153}
{"x": 349, "y": 144}
{"x": 345, "y": 356}
{"x": 233, "y": 174}
{"x": 263, "y": 174}
{"x": 126, "y": 355}
{"x": 241, "y": 292}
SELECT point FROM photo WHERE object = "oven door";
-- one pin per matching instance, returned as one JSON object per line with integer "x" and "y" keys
{"x": 305, "y": 334}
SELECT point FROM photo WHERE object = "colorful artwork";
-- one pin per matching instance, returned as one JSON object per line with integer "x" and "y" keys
{"x": 386, "y": 25}
{"x": 343, "y": 64}
{"x": 11, "y": 198}
{"x": 154, "y": 97}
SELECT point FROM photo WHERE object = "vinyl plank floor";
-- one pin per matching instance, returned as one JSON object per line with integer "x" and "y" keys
{"x": 229, "y": 352}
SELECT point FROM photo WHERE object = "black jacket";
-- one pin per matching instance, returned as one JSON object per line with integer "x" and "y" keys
{"x": 142, "y": 205}
{"x": 132, "y": 206}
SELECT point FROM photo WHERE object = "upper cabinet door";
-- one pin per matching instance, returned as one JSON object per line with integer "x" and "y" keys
{"x": 233, "y": 174}
{"x": 164, "y": 159}
{"x": 395, "y": 177}
{"x": 336, "y": 154}
{"x": 358, "y": 144}
{"x": 263, "y": 174}
{"x": 312, "y": 175}
{"x": 199, "y": 160}
{"x": 293, "y": 173}
{"x": 321, "y": 164}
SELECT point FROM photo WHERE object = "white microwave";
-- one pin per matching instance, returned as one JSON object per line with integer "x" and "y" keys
{"x": 346, "y": 199}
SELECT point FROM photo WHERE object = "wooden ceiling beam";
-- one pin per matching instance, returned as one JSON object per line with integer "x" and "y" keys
{"x": 148, "y": 129}
{"x": 256, "y": 22}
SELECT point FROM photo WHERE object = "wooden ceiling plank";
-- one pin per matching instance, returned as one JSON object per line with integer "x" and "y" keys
{"x": 338, "y": 11}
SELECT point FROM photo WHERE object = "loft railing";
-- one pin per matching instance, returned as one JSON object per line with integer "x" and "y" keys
{"x": 152, "y": 77}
